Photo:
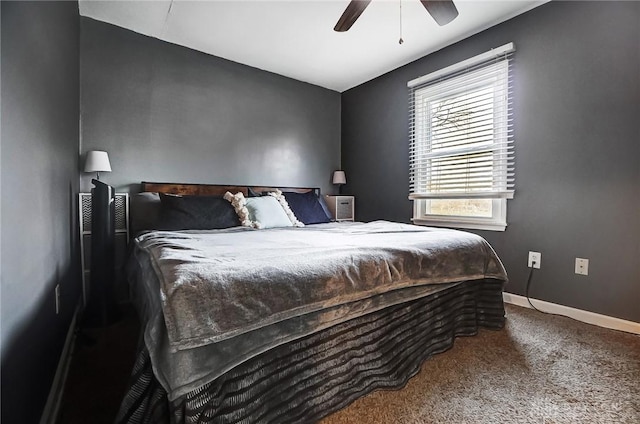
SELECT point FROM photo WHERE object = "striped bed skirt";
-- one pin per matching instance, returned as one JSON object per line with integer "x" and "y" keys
{"x": 308, "y": 379}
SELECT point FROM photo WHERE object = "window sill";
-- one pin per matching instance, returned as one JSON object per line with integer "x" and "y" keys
{"x": 490, "y": 226}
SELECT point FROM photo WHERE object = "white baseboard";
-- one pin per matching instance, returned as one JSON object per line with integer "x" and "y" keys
{"x": 577, "y": 314}
{"x": 52, "y": 407}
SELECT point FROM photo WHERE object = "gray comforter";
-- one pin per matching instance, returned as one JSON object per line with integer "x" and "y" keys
{"x": 216, "y": 298}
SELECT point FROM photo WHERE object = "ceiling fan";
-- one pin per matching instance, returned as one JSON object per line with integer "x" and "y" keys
{"x": 442, "y": 11}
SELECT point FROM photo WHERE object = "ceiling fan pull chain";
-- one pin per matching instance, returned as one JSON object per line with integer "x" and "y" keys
{"x": 166, "y": 18}
{"x": 400, "y": 41}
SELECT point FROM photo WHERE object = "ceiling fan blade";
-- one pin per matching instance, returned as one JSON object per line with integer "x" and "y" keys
{"x": 351, "y": 13}
{"x": 443, "y": 11}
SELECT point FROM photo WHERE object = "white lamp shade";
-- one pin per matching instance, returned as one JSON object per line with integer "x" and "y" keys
{"x": 339, "y": 177}
{"x": 97, "y": 161}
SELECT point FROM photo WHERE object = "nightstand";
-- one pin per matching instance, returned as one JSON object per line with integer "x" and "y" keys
{"x": 341, "y": 207}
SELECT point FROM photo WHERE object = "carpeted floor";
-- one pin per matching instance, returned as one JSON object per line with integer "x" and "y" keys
{"x": 99, "y": 373}
{"x": 539, "y": 369}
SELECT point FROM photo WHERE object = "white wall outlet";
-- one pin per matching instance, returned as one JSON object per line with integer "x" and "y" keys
{"x": 534, "y": 257}
{"x": 582, "y": 266}
{"x": 57, "y": 299}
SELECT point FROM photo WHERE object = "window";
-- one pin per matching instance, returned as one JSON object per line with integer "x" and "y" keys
{"x": 461, "y": 143}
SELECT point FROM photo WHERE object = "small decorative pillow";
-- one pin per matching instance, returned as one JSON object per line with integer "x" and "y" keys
{"x": 267, "y": 212}
{"x": 283, "y": 202}
{"x": 259, "y": 212}
{"x": 308, "y": 207}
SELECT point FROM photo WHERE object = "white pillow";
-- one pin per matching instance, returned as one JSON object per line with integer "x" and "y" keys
{"x": 266, "y": 212}
{"x": 259, "y": 212}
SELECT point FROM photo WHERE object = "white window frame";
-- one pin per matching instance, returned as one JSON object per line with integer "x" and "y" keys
{"x": 497, "y": 222}
{"x": 421, "y": 205}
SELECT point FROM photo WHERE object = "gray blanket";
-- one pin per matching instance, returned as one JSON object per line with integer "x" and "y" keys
{"x": 372, "y": 265}
{"x": 219, "y": 284}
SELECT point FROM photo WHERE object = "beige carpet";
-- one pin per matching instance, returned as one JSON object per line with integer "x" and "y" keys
{"x": 538, "y": 369}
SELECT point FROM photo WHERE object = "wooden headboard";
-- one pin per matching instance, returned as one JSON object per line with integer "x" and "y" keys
{"x": 215, "y": 189}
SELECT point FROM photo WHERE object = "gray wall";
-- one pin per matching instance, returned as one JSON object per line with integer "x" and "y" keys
{"x": 39, "y": 182}
{"x": 168, "y": 113}
{"x": 577, "y": 110}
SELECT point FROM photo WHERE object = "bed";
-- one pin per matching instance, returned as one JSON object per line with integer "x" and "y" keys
{"x": 255, "y": 323}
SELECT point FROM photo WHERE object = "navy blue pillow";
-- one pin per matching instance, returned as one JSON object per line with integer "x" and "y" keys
{"x": 196, "y": 213}
{"x": 306, "y": 207}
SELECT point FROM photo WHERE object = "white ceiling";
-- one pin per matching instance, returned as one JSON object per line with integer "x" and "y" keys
{"x": 296, "y": 38}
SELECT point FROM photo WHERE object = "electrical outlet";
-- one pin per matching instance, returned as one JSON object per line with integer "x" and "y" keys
{"x": 534, "y": 257}
{"x": 57, "y": 299}
{"x": 582, "y": 266}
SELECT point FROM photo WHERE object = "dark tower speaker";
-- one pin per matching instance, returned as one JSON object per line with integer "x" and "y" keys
{"x": 102, "y": 308}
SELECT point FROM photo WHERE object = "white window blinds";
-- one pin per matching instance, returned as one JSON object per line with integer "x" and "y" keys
{"x": 461, "y": 132}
